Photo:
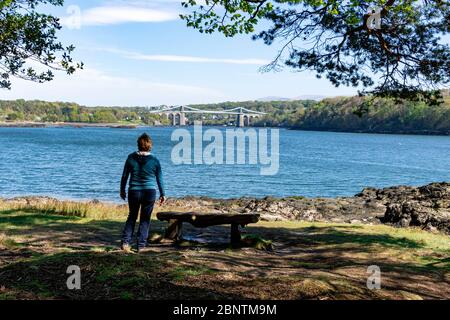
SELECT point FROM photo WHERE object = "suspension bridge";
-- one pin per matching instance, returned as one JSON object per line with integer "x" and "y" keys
{"x": 177, "y": 114}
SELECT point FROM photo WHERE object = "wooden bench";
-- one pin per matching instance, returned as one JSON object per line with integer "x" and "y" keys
{"x": 204, "y": 220}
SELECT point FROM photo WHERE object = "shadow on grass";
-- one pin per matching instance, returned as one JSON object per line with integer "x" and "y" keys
{"x": 65, "y": 230}
{"x": 28, "y": 220}
{"x": 335, "y": 249}
{"x": 106, "y": 276}
{"x": 299, "y": 252}
{"x": 332, "y": 235}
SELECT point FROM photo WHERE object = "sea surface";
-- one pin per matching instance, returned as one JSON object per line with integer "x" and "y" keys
{"x": 87, "y": 163}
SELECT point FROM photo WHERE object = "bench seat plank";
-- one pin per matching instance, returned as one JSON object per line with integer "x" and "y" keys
{"x": 204, "y": 220}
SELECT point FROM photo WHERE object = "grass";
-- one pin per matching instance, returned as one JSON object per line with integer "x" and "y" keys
{"x": 91, "y": 210}
{"x": 426, "y": 250}
{"x": 181, "y": 272}
{"x": 257, "y": 242}
{"x": 8, "y": 243}
{"x": 370, "y": 234}
{"x": 283, "y": 260}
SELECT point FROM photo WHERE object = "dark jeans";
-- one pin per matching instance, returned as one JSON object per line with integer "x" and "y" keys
{"x": 145, "y": 201}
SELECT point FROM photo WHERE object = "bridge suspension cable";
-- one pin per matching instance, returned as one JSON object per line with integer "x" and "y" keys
{"x": 186, "y": 109}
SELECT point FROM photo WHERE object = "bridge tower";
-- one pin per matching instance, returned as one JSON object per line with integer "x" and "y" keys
{"x": 174, "y": 119}
{"x": 182, "y": 116}
{"x": 240, "y": 122}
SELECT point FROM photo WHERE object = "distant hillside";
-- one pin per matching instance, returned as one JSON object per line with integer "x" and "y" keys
{"x": 366, "y": 114}
{"x": 43, "y": 111}
{"x": 357, "y": 114}
{"x": 303, "y": 97}
{"x": 346, "y": 114}
{"x": 272, "y": 98}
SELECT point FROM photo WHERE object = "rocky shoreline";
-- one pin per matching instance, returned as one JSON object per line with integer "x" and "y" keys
{"x": 426, "y": 207}
{"x": 66, "y": 124}
{"x": 399, "y": 132}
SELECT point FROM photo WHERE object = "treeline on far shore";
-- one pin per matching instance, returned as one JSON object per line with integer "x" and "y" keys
{"x": 51, "y": 112}
{"x": 346, "y": 114}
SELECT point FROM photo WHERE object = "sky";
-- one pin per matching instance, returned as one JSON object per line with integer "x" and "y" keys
{"x": 140, "y": 53}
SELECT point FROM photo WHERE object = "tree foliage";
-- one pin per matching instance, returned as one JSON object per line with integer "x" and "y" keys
{"x": 43, "y": 111}
{"x": 28, "y": 41}
{"x": 384, "y": 115}
{"x": 405, "y": 58}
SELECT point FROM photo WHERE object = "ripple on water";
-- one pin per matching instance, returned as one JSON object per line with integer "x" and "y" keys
{"x": 86, "y": 164}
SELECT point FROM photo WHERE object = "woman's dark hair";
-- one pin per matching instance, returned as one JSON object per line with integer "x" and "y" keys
{"x": 145, "y": 143}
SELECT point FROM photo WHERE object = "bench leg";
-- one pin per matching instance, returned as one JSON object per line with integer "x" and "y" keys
{"x": 174, "y": 229}
{"x": 235, "y": 235}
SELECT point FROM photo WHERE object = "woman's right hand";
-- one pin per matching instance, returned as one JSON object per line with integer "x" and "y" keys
{"x": 162, "y": 200}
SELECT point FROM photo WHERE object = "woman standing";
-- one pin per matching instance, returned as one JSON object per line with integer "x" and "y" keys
{"x": 144, "y": 171}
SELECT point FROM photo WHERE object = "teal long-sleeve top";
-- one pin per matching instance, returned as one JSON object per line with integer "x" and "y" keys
{"x": 144, "y": 172}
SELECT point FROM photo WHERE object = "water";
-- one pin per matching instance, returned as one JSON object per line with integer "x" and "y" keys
{"x": 87, "y": 163}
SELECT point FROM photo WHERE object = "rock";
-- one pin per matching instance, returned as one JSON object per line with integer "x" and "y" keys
{"x": 431, "y": 228}
{"x": 370, "y": 193}
{"x": 404, "y": 222}
{"x": 436, "y": 190}
{"x": 427, "y": 207}
{"x": 419, "y": 214}
{"x": 31, "y": 201}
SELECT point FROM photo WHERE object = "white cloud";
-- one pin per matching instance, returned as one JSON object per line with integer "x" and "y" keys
{"x": 110, "y": 15}
{"x": 93, "y": 87}
{"x": 173, "y": 58}
{"x": 182, "y": 58}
